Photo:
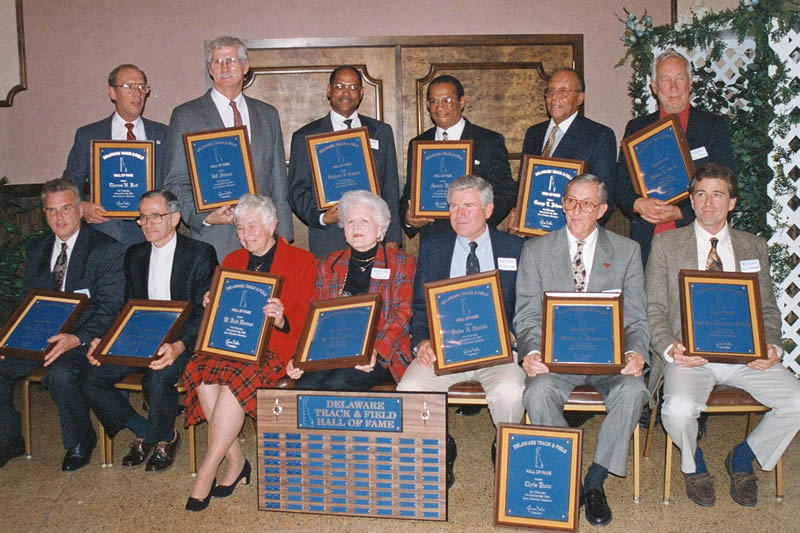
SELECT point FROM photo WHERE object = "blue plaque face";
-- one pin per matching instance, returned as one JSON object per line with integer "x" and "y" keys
{"x": 240, "y": 316}
{"x": 468, "y": 324}
{"x": 43, "y": 320}
{"x": 661, "y": 165}
{"x": 363, "y": 413}
{"x": 544, "y": 210}
{"x": 143, "y": 333}
{"x": 721, "y": 318}
{"x": 220, "y": 169}
{"x": 583, "y": 334}
{"x": 342, "y": 167}
{"x": 123, "y": 178}
{"x": 339, "y": 333}
{"x": 439, "y": 167}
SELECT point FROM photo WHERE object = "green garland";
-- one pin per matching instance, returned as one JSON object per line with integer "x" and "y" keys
{"x": 749, "y": 101}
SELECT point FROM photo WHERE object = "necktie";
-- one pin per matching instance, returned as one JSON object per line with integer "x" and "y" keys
{"x": 551, "y": 140}
{"x": 473, "y": 265}
{"x": 60, "y": 268}
{"x": 444, "y": 135}
{"x": 579, "y": 269}
{"x": 348, "y": 122}
{"x": 237, "y": 117}
{"x": 131, "y": 136}
{"x": 713, "y": 261}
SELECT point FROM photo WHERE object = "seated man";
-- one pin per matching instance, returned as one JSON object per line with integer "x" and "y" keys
{"x": 710, "y": 244}
{"x": 168, "y": 266}
{"x": 471, "y": 246}
{"x": 584, "y": 257}
{"x": 72, "y": 257}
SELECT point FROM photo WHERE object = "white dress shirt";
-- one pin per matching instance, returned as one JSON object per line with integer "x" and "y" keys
{"x": 119, "y": 132}
{"x": 57, "y": 251}
{"x": 562, "y": 129}
{"x": 159, "y": 274}
{"x": 458, "y": 264}
{"x": 226, "y": 111}
{"x": 338, "y": 121}
{"x": 724, "y": 247}
{"x": 453, "y": 132}
{"x": 589, "y": 245}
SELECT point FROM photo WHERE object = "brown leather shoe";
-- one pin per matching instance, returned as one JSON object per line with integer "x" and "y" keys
{"x": 137, "y": 454}
{"x": 700, "y": 489}
{"x": 164, "y": 455}
{"x": 744, "y": 487}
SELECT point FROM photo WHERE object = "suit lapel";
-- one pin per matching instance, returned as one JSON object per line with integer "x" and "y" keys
{"x": 77, "y": 260}
{"x": 561, "y": 262}
{"x": 211, "y": 117}
{"x": 603, "y": 256}
{"x": 468, "y": 132}
{"x": 43, "y": 265}
{"x": 180, "y": 268}
{"x": 569, "y": 140}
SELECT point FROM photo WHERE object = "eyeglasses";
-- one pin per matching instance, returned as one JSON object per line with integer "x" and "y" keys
{"x": 137, "y": 87}
{"x": 348, "y": 86}
{"x": 219, "y": 61}
{"x": 155, "y": 218}
{"x": 561, "y": 92}
{"x": 571, "y": 203}
{"x": 447, "y": 100}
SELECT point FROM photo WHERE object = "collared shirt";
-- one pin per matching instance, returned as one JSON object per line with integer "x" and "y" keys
{"x": 453, "y": 132}
{"x": 562, "y": 129}
{"x": 226, "y": 111}
{"x": 120, "y": 133}
{"x": 159, "y": 274}
{"x": 338, "y": 121}
{"x": 57, "y": 251}
{"x": 589, "y": 245}
{"x": 683, "y": 117}
{"x": 724, "y": 247}
{"x": 458, "y": 264}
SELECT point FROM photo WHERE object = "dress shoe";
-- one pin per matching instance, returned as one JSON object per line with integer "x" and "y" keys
{"x": 468, "y": 410}
{"x": 163, "y": 456}
{"x": 77, "y": 457}
{"x": 10, "y": 449}
{"x": 223, "y": 491}
{"x": 744, "y": 487}
{"x": 193, "y": 504}
{"x": 137, "y": 454}
{"x": 494, "y": 451}
{"x": 576, "y": 420}
{"x": 700, "y": 489}
{"x": 450, "y": 476}
{"x": 598, "y": 513}
{"x": 451, "y": 451}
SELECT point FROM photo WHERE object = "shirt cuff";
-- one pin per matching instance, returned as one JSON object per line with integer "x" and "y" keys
{"x": 321, "y": 216}
{"x": 667, "y": 357}
{"x": 285, "y": 328}
{"x": 206, "y": 223}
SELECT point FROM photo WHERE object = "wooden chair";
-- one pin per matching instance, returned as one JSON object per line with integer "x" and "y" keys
{"x": 35, "y": 376}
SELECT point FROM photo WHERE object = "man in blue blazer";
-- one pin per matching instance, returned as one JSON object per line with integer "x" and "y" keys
{"x": 445, "y": 255}
{"x": 190, "y": 265}
{"x": 73, "y": 257}
{"x": 345, "y": 91}
{"x": 225, "y": 106}
{"x": 128, "y": 89}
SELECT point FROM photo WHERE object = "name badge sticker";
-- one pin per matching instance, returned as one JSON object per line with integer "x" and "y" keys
{"x": 507, "y": 263}
{"x": 750, "y": 265}
{"x": 373, "y": 143}
{"x": 83, "y": 291}
{"x": 699, "y": 153}
{"x": 381, "y": 273}
{"x": 476, "y": 162}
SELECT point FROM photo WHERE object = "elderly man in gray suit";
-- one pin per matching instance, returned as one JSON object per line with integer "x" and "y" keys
{"x": 224, "y": 106}
{"x": 584, "y": 257}
{"x": 710, "y": 244}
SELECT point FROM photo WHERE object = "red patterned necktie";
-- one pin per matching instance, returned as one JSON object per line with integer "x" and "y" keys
{"x": 237, "y": 117}
{"x": 131, "y": 136}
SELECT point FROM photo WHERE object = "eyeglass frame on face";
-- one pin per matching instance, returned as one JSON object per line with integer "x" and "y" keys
{"x": 219, "y": 62}
{"x": 560, "y": 92}
{"x": 585, "y": 206}
{"x": 138, "y": 87}
{"x": 445, "y": 100}
{"x": 339, "y": 86}
{"x": 144, "y": 219}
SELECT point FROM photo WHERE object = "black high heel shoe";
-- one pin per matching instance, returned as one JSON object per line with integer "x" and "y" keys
{"x": 193, "y": 504}
{"x": 223, "y": 491}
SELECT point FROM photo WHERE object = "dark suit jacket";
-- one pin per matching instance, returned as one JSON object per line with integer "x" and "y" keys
{"x": 302, "y": 195}
{"x": 95, "y": 265}
{"x": 269, "y": 166}
{"x": 585, "y": 140}
{"x": 435, "y": 255}
{"x": 703, "y": 130}
{"x": 490, "y": 163}
{"x": 192, "y": 268}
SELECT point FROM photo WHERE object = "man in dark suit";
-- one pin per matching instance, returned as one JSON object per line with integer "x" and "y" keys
{"x": 711, "y": 244}
{"x": 708, "y": 137}
{"x": 584, "y": 257}
{"x": 470, "y": 246}
{"x": 225, "y": 106}
{"x": 446, "y": 100}
{"x": 190, "y": 265}
{"x": 345, "y": 91}
{"x": 72, "y": 258}
{"x": 128, "y": 89}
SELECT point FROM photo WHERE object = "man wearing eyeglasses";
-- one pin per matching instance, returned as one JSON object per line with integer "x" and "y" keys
{"x": 345, "y": 91}
{"x": 168, "y": 266}
{"x": 584, "y": 257}
{"x": 128, "y": 90}
{"x": 225, "y": 106}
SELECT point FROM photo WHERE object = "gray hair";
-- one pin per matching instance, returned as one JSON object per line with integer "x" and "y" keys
{"x": 60, "y": 185}
{"x": 226, "y": 40}
{"x": 380, "y": 210}
{"x": 254, "y": 202}
{"x": 666, "y": 54}
{"x": 472, "y": 182}
{"x": 173, "y": 205}
{"x": 602, "y": 192}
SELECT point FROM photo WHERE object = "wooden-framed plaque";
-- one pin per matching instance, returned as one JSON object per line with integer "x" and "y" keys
{"x": 542, "y": 181}
{"x": 721, "y": 316}
{"x": 339, "y": 332}
{"x": 659, "y": 161}
{"x": 341, "y": 161}
{"x": 467, "y": 323}
{"x": 234, "y": 325}
{"x": 40, "y": 315}
{"x": 582, "y": 332}
{"x": 122, "y": 171}
{"x": 220, "y": 167}
{"x": 538, "y": 477}
{"x": 139, "y": 331}
{"x": 434, "y": 164}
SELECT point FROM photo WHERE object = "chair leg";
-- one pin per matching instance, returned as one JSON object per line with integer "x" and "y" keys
{"x": 192, "y": 451}
{"x": 667, "y": 469}
{"x": 648, "y": 441}
{"x": 779, "y": 480}
{"x": 750, "y": 418}
{"x": 26, "y": 415}
{"x": 108, "y": 446}
{"x": 636, "y": 436}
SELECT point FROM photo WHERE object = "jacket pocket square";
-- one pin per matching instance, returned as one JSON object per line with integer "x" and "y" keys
{"x": 477, "y": 162}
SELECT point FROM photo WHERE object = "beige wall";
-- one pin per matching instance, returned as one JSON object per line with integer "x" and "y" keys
{"x": 72, "y": 45}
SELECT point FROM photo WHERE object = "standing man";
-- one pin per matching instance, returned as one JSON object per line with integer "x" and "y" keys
{"x": 345, "y": 91}
{"x": 128, "y": 90}
{"x": 446, "y": 101}
{"x": 73, "y": 257}
{"x": 709, "y": 140}
{"x": 710, "y": 244}
{"x": 584, "y": 257}
{"x": 168, "y": 266}
{"x": 225, "y": 106}
{"x": 471, "y": 246}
